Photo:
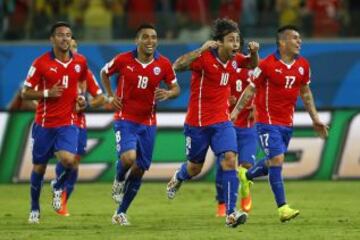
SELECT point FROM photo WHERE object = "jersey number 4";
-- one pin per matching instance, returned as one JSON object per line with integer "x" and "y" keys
{"x": 65, "y": 81}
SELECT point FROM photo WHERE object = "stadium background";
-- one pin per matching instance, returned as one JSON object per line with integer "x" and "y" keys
{"x": 105, "y": 28}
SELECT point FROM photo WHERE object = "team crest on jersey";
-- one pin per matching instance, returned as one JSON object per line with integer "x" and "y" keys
{"x": 77, "y": 68}
{"x": 234, "y": 65}
{"x": 301, "y": 70}
{"x": 157, "y": 70}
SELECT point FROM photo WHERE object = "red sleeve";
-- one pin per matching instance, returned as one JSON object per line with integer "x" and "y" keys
{"x": 85, "y": 70}
{"x": 91, "y": 85}
{"x": 242, "y": 60}
{"x": 197, "y": 64}
{"x": 34, "y": 74}
{"x": 113, "y": 66}
{"x": 307, "y": 75}
{"x": 170, "y": 76}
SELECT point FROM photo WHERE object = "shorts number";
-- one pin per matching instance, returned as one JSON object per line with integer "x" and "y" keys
{"x": 117, "y": 136}
{"x": 264, "y": 138}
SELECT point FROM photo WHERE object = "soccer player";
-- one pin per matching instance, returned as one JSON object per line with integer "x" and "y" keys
{"x": 57, "y": 74}
{"x": 207, "y": 122}
{"x": 140, "y": 73}
{"x": 98, "y": 99}
{"x": 278, "y": 81}
{"x": 246, "y": 137}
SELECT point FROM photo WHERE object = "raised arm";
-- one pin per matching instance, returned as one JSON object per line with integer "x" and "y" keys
{"x": 254, "y": 54}
{"x": 183, "y": 62}
{"x": 308, "y": 99}
{"x": 245, "y": 97}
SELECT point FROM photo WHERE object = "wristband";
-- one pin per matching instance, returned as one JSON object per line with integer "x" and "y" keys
{"x": 46, "y": 93}
{"x": 110, "y": 99}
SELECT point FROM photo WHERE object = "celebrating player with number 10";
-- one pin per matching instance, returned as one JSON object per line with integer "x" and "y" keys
{"x": 139, "y": 75}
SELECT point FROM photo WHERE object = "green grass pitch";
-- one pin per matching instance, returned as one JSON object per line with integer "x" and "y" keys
{"x": 329, "y": 210}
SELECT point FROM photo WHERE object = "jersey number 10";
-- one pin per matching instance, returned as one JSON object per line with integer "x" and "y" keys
{"x": 224, "y": 79}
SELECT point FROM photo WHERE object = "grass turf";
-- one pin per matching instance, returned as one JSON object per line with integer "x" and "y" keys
{"x": 328, "y": 210}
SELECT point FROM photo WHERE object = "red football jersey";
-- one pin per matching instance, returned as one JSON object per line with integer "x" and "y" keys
{"x": 137, "y": 83}
{"x": 93, "y": 88}
{"x": 209, "y": 89}
{"x": 278, "y": 87}
{"x": 45, "y": 72}
{"x": 238, "y": 85}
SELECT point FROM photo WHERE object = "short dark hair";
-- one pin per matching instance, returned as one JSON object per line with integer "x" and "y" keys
{"x": 57, "y": 25}
{"x": 283, "y": 29}
{"x": 144, "y": 26}
{"x": 222, "y": 27}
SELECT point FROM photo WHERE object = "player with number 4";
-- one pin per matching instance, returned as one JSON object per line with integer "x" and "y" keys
{"x": 139, "y": 75}
{"x": 53, "y": 80}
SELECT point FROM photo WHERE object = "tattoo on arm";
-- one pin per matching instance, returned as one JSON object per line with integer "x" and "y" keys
{"x": 246, "y": 96}
{"x": 308, "y": 100}
{"x": 183, "y": 62}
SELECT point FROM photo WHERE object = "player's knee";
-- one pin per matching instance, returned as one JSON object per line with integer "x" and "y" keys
{"x": 39, "y": 168}
{"x": 128, "y": 158}
{"x": 229, "y": 162}
{"x": 194, "y": 169}
{"x": 246, "y": 165}
{"x": 277, "y": 160}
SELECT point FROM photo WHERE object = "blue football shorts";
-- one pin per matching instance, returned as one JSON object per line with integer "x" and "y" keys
{"x": 81, "y": 149}
{"x": 221, "y": 137}
{"x": 134, "y": 136}
{"x": 274, "y": 139}
{"x": 247, "y": 143}
{"x": 47, "y": 141}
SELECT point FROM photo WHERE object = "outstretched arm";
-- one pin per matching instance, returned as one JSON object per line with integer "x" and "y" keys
{"x": 245, "y": 97}
{"x": 308, "y": 99}
{"x": 183, "y": 62}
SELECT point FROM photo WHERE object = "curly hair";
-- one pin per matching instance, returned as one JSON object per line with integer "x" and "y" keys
{"x": 222, "y": 27}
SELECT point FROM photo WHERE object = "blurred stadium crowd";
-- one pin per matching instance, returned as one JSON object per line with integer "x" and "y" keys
{"x": 105, "y": 20}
